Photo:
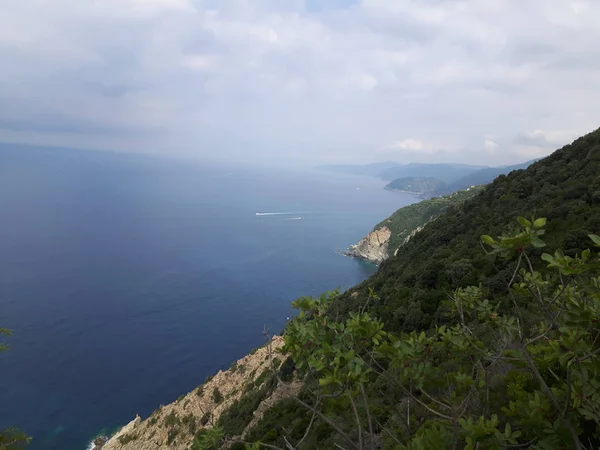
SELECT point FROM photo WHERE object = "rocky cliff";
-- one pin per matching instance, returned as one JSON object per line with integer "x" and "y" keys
{"x": 174, "y": 426}
{"x": 373, "y": 247}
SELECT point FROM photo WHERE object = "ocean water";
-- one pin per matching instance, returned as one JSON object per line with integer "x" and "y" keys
{"x": 127, "y": 280}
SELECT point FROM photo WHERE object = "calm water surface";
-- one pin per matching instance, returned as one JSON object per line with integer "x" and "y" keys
{"x": 126, "y": 280}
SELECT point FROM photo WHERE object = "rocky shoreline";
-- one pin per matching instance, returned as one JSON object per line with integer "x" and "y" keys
{"x": 373, "y": 247}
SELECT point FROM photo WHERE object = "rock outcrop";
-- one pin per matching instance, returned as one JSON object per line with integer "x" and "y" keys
{"x": 173, "y": 426}
{"x": 373, "y": 247}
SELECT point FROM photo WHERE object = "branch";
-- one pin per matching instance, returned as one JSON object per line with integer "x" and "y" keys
{"x": 328, "y": 421}
{"x": 543, "y": 335}
{"x": 550, "y": 395}
{"x": 433, "y": 411}
{"x": 516, "y": 270}
{"x": 312, "y": 419}
{"x": 568, "y": 400}
{"x": 364, "y": 396}
{"x": 358, "y": 424}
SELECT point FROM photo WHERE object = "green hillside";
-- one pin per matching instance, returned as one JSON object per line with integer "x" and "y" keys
{"x": 564, "y": 187}
{"x": 404, "y": 222}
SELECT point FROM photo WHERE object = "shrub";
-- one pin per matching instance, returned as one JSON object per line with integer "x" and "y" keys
{"x": 205, "y": 418}
{"x": 127, "y": 438}
{"x": 171, "y": 420}
{"x": 217, "y": 396}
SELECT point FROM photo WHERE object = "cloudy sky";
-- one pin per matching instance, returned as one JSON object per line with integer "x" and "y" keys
{"x": 302, "y": 81}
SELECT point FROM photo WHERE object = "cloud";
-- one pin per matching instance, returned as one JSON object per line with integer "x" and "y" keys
{"x": 409, "y": 144}
{"x": 300, "y": 82}
{"x": 490, "y": 146}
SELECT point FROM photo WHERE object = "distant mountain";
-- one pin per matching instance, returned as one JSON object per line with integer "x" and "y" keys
{"x": 482, "y": 176}
{"x": 423, "y": 186}
{"x": 448, "y": 173}
{"x": 390, "y": 170}
{"x": 441, "y": 179}
{"x": 372, "y": 170}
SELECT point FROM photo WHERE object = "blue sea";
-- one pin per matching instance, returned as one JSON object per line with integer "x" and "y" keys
{"x": 128, "y": 279}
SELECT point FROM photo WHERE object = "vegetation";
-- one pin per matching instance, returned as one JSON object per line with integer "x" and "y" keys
{"x": 217, "y": 396}
{"x": 127, "y": 438}
{"x": 205, "y": 418}
{"x": 423, "y": 186}
{"x": 447, "y": 253}
{"x": 240, "y": 413}
{"x": 208, "y": 439}
{"x": 407, "y": 220}
{"x": 171, "y": 420}
{"x": 496, "y": 375}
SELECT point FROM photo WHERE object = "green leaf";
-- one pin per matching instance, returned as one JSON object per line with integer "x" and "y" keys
{"x": 537, "y": 242}
{"x": 595, "y": 238}
{"x": 523, "y": 221}
{"x": 548, "y": 258}
{"x": 486, "y": 239}
{"x": 539, "y": 223}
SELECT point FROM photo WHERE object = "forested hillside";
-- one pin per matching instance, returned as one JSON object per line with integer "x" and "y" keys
{"x": 564, "y": 187}
{"x": 406, "y": 220}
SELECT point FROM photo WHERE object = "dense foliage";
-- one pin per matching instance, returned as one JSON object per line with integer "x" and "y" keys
{"x": 526, "y": 374}
{"x": 407, "y": 220}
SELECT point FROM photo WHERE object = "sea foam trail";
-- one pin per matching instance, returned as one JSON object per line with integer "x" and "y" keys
{"x": 273, "y": 213}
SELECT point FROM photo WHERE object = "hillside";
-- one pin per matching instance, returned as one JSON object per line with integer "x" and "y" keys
{"x": 422, "y": 186}
{"x": 564, "y": 187}
{"x": 459, "y": 340}
{"x": 445, "y": 172}
{"x": 389, "y": 235}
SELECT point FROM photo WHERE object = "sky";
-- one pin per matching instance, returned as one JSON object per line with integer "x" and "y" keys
{"x": 302, "y": 81}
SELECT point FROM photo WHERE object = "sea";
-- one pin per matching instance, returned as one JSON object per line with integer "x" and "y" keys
{"x": 126, "y": 279}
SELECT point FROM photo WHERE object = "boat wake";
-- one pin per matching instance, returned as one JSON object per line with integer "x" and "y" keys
{"x": 273, "y": 213}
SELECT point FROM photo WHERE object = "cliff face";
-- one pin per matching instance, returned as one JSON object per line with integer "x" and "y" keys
{"x": 373, "y": 247}
{"x": 174, "y": 426}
